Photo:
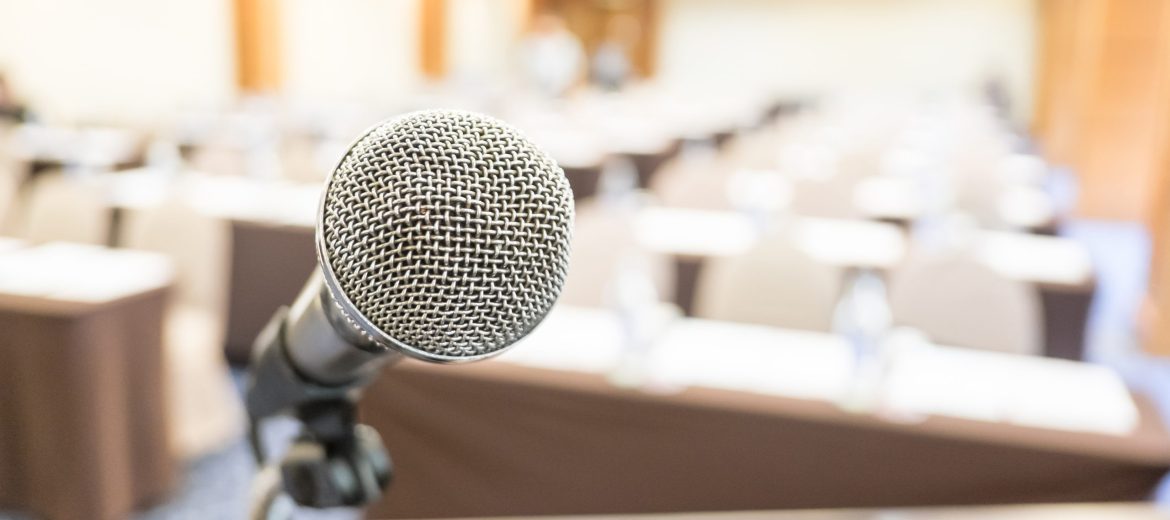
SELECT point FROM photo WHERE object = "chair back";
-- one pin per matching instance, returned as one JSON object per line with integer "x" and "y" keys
{"x": 198, "y": 245}
{"x": 828, "y": 198}
{"x": 9, "y": 186}
{"x": 773, "y": 284}
{"x": 603, "y": 245}
{"x": 63, "y": 208}
{"x": 692, "y": 183}
{"x": 956, "y": 300}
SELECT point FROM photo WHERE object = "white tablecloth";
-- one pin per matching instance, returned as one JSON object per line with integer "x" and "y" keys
{"x": 920, "y": 380}
{"x": 858, "y": 243}
{"x": 81, "y": 273}
{"x": 267, "y": 200}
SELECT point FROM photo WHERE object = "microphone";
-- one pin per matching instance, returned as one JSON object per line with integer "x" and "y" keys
{"x": 442, "y": 236}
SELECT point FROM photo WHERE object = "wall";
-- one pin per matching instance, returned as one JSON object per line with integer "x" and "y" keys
{"x": 1104, "y": 100}
{"x": 810, "y": 46}
{"x": 480, "y": 36}
{"x": 117, "y": 60}
{"x": 131, "y": 59}
{"x": 350, "y": 50}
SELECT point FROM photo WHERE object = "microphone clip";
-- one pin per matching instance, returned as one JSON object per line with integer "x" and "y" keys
{"x": 335, "y": 462}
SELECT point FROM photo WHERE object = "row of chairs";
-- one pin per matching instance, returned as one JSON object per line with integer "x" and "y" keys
{"x": 951, "y": 296}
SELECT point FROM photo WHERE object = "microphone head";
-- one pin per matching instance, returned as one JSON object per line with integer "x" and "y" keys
{"x": 445, "y": 235}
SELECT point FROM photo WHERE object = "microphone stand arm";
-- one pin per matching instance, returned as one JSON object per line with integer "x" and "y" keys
{"x": 334, "y": 462}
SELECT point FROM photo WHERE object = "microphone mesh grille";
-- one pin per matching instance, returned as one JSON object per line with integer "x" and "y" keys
{"x": 448, "y": 231}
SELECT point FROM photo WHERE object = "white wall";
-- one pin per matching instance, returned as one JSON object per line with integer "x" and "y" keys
{"x": 350, "y": 50}
{"x": 812, "y": 46}
{"x": 137, "y": 59}
{"x": 481, "y": 35}
{"x": 117, "y": 60}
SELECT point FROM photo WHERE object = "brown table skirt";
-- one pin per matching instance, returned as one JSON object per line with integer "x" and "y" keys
{"x": 491, "y": 439}
{"x": 83, "y": 428}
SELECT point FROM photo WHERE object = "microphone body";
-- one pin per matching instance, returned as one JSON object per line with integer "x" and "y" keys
{"x": 306, "y": 353}
{"x": 322, "y": 346}
{"x": 442, "y": 236}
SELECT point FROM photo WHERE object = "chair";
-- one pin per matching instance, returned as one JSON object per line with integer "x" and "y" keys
{"x": 63, "y": 208}
{"x": 9, "y": 188}
{"x": 206, "y": 410}
{"x": 774, "y": 284}
{"x": 300, "y": 159}
{"x": 755, "y": 149}
{"x": 828, "y": 198}
{"x": 693, "y": 183}
{"x": 958, "y": 301}
{"x": 603, "y": 245}
{"x": 863, "y": 160}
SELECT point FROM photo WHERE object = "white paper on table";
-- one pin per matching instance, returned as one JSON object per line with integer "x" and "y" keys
{"x": 998, "y": 387}
{"x": 227, "y": 197}
{"x": 759, "y": 190}
{"x": 766, "y": 360}
{"x": 888, "y": 197}
{"x": 91, "y": 146}
{"x": 297, "y": 203}
{"x": 632, "y": 135}
{"x": 1035, "y": 258}
{"x": 1026, "y": 206}
{"x": 850, "y": 242}
{"x": 571, "y": 338}
{"x": 10, "y": 244}
{"x": 81, "y": 273}
{"x": 210, "y": 194}
{"x": 139, "y": 189}
{"x": 694, "y": 232}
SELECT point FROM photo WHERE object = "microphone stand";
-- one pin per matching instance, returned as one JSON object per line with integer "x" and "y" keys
{"x": 334, "y": 462}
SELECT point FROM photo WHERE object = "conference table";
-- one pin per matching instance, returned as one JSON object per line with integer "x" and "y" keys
{"x": 272, "y": 249}
{"x": 901, "y": 200}
{"x": 271, "y": 224}
{"x": 1059, "y": 268}
{"x": 727, "y": 417}
{"x": 83, "y": 421}
{"x": 582, "y": 145}
{"x": 43, "y": 147}
{"x": 645, "y": 142}
{"x": 224, "y": 196}
{"x": 580, "y": 153}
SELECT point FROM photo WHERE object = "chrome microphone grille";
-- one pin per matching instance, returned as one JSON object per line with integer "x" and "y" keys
{"x": 446, "y": 233}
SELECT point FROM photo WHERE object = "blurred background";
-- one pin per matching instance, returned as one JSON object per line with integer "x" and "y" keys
{"x": 827, "y": 253}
